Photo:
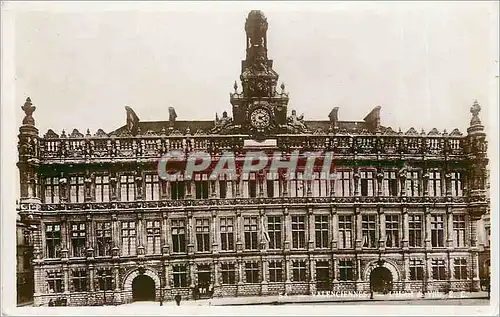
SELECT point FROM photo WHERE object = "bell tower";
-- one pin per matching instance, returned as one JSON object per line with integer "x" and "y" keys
{"x": 259, "y": 108}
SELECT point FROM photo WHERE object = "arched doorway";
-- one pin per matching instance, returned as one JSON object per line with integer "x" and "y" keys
{"x": 381, "y": 280}
{"x": 143, "y": 288}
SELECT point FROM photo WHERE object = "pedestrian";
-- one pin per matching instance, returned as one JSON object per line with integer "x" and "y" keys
{"x": 51, "y": 303}
{"x": 177, "y": 299}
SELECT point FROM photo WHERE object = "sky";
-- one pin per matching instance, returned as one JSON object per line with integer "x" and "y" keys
{"x": 424, "y": 63}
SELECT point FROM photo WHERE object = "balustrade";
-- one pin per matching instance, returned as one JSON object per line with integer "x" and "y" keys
{"x": 153, "y": 146}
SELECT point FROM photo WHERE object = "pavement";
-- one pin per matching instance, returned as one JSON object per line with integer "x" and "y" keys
{"x": 337, "y": 297}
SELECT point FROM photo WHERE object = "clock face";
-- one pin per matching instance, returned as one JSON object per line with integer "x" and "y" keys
{"x": 260, "y": 118}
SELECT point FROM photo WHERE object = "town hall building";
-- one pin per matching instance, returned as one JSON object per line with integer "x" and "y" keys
{"x": 399, "y": 214}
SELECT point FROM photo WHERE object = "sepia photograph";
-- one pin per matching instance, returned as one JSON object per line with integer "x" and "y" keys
{"x": 253, "y": 158}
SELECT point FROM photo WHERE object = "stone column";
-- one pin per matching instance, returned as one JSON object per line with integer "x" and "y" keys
{"x": 407, "y": 270}
{"x": 67, "y": 285}
{"x": 164, "y": 234}
{"x": 115, "y": 233}
{"x": 382, "y": 237}
{"x": 427, "y": 223}
{"x": 264, "y": 268}
{"x": 240, "y": 271}
{"x": 312, "y": 276}
{"x": 335, "y": 266}
{"x": 190, "y": 233}
{"x": 90, "y": 234}
{"x": 239, "y": 229}
{"x": 287, "y": 229}
{"x": 215, "y": 233}
{"x": 429, "y": 270}
{"x": 406, "y": 228}
{"x": 64, "y": 238}
{"x": 311, "y": 229}
{"x": 116, "y": 271}
{"x": 449, "y": 227}
{"x": 140, "y": 235}
{"x": 359, "y": 233}
{"x": 216, "y": 266}
{"x": 334, "y": 228}
{"x": 192, "y": 274}
{"x": 91, "y": 277}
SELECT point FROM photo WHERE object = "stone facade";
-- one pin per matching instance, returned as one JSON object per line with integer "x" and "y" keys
{"x": 400, "y": 214}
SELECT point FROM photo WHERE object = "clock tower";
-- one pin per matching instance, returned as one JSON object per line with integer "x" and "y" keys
{"x": 259, "y": 109}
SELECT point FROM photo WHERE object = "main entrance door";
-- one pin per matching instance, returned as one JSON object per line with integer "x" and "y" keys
{"x": 143, "y": 288}
{"x": 204, "y": 281}
{"x": 381, "y": 280}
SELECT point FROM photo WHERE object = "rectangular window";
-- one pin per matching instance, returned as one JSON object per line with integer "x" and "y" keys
{"x": 368, "y": 227}
{"x": 299, "y": 271}
{"x": 203, "y": 235}
{"x": 128, "y": 238}
{"x": 79, "y": 280}
{"x": 105, "y": 279}
{"x": 412, "y": 184}
{"x": 415, "y": 230}
{"x": 346, "y": 270}
{"x": 180, "y": 275}
{"x": 367, "y": 182}
{"x": 225, "y": 188}
{"x": 345, "y": 232}
{"x": 78, "y": 237}
{"x": 252, "y": 272}
{"x": 321, "y": 231}
{"x": 274, "y": 232}
{"x": 51, "y": 190}
{"x": 460, "y": 268}
{"x": 459, "y": 230}
{"x": 201, "y": 186}
{"x": 249, "y": 185}
{"x": 343, "y": 183}
{"x": 298, "y": 185}
{"x": 103, "y": 238}
{"x": 152, "y": 189}
{"x": 250, "y": 228}
{"x": 227, "y": 233}
{"x": 273, "y": 185}
{"x": 177, "y": 188}
{"x": 275, "y": 271}
{"x": 178, "y": 236}
{"x": 456, "y": 184}
{"x": 434, "y": 183}
{"x": 298, "y": 232}
{"x": 416, "y": 270}
{"x": 101, "y": 188}
{"x": 228, "y": 273}
{"x": 437, "y": 231}
{"x": 320, "y": 186}
{"x": 55, "y": 282}
{"x": 127, "y": 188}
{"x": 438, "y": 269}
{"x": 53, "y": 240}
{"x": 392, "y": 231}
{"x": 390, "y": 184}
{"x": 76, "y": 189}
{"x": 153, "y": 237}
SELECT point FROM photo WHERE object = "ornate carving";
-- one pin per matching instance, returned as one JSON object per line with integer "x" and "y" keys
{"x": 295, "y": 124}
{"x": 51, "y": 134}
{"x": 411, "y": 131}
{"x": 28, "y": 109}
{"x": 76, "y": 134}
